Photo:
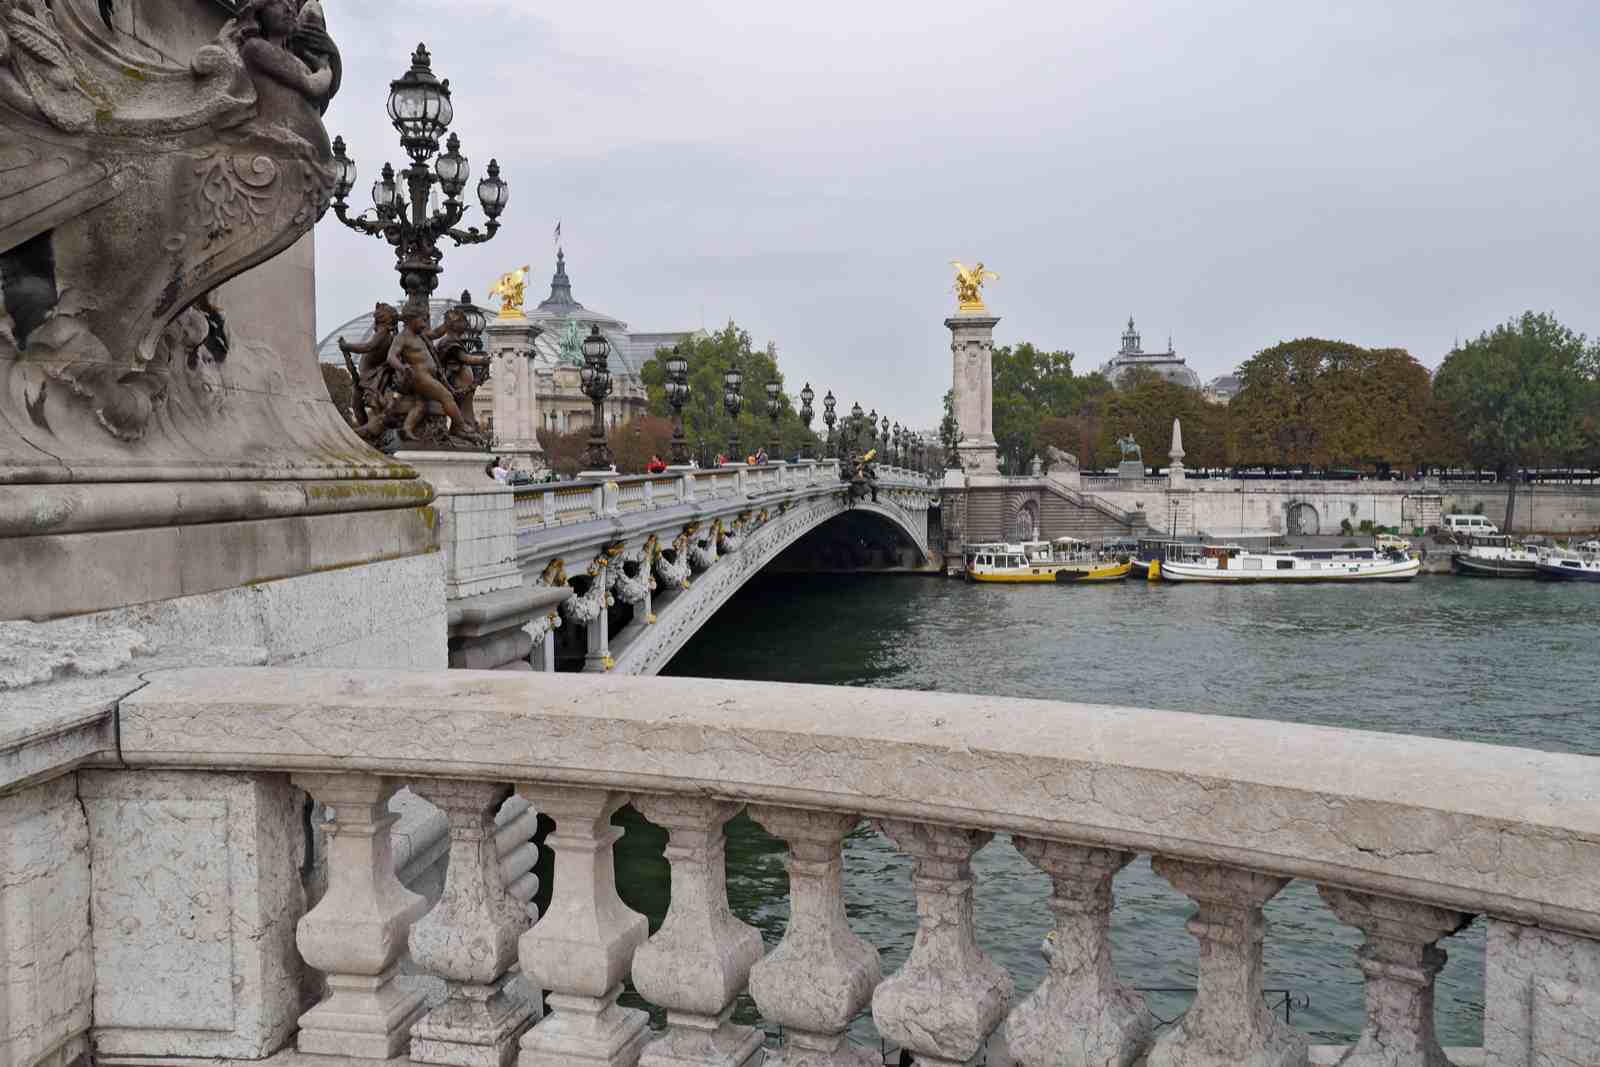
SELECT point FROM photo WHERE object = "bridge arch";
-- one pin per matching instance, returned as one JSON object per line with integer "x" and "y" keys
{"x": 646, "y": 649}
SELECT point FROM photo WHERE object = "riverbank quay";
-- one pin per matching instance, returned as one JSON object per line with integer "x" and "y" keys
{"x": 1406, "y": 838}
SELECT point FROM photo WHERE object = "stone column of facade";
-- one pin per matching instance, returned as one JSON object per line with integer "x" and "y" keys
{"x": 972, "y": 377}
{"x": 583, "y": 948}
{"x": 1228, "y": 1025}
{"x": 700, "y": 959}
{"x": 516, "y": 398}
{"x": 1081, "y": 1015}
{"x": 357, "y": 932}
{"x": 1400, "y": 960}
{"x": 821, "y": 975}
{"x": 948, "y": 997}
{"x": 470, "y": 938}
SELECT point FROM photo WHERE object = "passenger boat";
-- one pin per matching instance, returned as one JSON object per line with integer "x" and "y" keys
{"x": 1495, "y": 556}
{"x": 1580, "y": 564}
{"x": 1230, "y": 563}
{"x": 1063, "y": 560}
{"x": 1153, "y": 550}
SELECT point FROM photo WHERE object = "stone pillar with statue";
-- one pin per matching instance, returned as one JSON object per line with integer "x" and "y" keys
{"x": 972, "y": 373}
{"x": 516, "y": 402}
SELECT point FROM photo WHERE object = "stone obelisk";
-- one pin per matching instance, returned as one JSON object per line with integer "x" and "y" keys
{"x": 972, "y": 373}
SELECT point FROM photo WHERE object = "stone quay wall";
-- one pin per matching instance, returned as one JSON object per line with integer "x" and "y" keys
{"x": 1407, "y": 839}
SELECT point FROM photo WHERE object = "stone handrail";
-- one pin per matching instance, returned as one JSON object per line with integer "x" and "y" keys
{"x": 1407, "y": 838}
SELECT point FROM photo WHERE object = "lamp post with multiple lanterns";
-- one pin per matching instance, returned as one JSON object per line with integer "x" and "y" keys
{"x": 677, "y": 394}
{"x": 828, "y": 419}
{"x": 421, "y": 110}
{"x": 775, "y": 407}
{"x": 595, "y": 378}
{"x": 732, "y": 401}
{"x": 806, "y": 396}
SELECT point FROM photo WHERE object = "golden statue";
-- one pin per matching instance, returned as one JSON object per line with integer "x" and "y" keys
{"x": 969, "y": 285}
{"x": 509, "y": 289}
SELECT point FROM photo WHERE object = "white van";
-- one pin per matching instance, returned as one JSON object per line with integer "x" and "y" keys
{"x": 1467, "y": 525}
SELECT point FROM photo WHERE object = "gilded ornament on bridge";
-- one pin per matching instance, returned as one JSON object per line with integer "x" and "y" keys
{"x": 510, "y": 288}
{"x": 969, "y": 285}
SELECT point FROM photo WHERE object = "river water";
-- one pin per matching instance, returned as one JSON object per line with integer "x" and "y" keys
{"x": 1500, "y": 662}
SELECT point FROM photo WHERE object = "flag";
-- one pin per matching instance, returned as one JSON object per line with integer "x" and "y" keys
{"x": 558, "y": 233}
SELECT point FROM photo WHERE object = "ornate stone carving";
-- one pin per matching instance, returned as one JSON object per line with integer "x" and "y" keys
{"x": 136, "y": 186}
{"x": 821, "y": 974}
{"x": 948, "y": 997}
{"x": 1228, "y": 1025}
{"x": 1400, "y": 961}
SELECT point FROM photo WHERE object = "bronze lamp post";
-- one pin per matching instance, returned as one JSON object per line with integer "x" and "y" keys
{"x": 596, "y": 384}
{"x": 677, "y": 393}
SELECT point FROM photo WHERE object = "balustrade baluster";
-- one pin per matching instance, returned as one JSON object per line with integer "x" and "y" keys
{"x": 357, "y": 932}
{"x": 582, "y": 949}
{"x": 821, "y": 974}
{"x": 947, "y": 998}
{"x": 1400, "y": 961}
{"x": 470, "y": 937}
{"x": 1081, "y": 1015}
{"x": 1228, "y": 1025}
{"x": 700, "y": 959}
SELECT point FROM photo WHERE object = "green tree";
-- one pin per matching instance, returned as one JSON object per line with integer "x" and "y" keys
{"x": 705, "y": 420}
{"x": 1028, "y": 385}
{"x": 950, "y": 430}
{"x": 1145, "y": 407}
{"x": 1519, "y": 393}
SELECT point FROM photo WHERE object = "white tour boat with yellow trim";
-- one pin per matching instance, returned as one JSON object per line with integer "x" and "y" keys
{"x": 1230, "y": 563}
{"x": 1064, "y": 560}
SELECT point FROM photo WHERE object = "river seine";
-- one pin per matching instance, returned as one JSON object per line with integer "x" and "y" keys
{"x": 1510, "y": 663}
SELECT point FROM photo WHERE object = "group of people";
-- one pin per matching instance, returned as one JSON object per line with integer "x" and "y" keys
{"x": 403, "y": 370}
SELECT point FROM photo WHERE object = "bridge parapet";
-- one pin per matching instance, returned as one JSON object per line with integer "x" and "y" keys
{"x": 1406, "y": 838}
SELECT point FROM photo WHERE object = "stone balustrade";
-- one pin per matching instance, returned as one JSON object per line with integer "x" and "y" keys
{"x": 1406, "y": 838}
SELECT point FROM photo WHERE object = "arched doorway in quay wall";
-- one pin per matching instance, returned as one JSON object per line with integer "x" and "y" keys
{"x": 1303, "y": 519}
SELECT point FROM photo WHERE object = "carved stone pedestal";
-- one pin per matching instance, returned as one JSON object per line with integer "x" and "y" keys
{"x": 516, "y": 400}
{"x": 1081, "y": 1015}
{"x": 948, "y": 997}
{"x": 972, "y": 374}
{"x": 1400, "y": 961}
{"x": 583, "y": 948}
{"x": 821, "y": 975}
{"x": 1228, "y": 1025}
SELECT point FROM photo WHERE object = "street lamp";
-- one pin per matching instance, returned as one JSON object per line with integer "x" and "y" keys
{"x": 421, "y": 110}
{"x": 806, "y": 396}
{"x": 677, "y": 393}
{"x": 899, "y": 454}
{"x": 853, "y": 427}
{"x": 883, "y": 440}
{"x": 732, "y": 400}
{"x": 774, "y": 409}
{"x": 828, "y": 419}
{"x": 596, "y": 385}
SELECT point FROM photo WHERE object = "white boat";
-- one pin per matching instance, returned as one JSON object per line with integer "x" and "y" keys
{"x": 1063, "y": 560}
{"x": 1580, "y": 564}
{"x": 1230, "y": 563}
{"x": 1495, "y": 556}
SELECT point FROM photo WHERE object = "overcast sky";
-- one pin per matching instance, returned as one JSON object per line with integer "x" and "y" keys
{"x": 1234, "y": 172}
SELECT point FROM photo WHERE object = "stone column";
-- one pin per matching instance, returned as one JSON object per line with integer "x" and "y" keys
{"x": 598, "y": 658}
{"x": 516, "y": 400}
{"x": 1081, "y": 1015}
{"x": 1400, "y": 961}
{"x": 821, "y": 974}
{"x": 700, "y": 959}
{"x": 1228, "y": 1025}
{"x": 948, "y": 997}
{"x": 972, "y": 378}
{"x": 583, "y": 947}
{"x": 470, "y": 938}
{"x": 357, "y": 932}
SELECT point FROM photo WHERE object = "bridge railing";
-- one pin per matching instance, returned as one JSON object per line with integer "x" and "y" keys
{"x": 551, "y": 504}
{"x": 1406, "y": 839}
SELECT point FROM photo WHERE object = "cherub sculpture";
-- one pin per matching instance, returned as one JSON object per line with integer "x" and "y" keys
{"x": 418, "y": 374}
{"x": 969, "y": 284}
{"x": 374, "y": 378}
{"x": 458, "y": 359}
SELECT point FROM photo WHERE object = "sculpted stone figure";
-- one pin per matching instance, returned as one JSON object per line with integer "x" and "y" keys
{"x": 1130, "y": 448}
{"x": 142, "y": 171}
{"x": 374, "y": 378}
{"x": 458, "y": 361}
{"x": 1059, "y": 460}
{"x": 969, "y": 284}
{"x": 509, "y": 288}
{"x": 418, "y": 373}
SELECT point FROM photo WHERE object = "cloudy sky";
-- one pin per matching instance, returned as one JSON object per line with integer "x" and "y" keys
{"x": 1232, "y": 173}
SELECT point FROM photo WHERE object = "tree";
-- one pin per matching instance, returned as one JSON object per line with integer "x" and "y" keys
{"x": 705, "y": 422}
{"x": 950, "y": 430}
{"x": 1029, "y": 384}
{"x": 1145, "y": 407}
{"x": 1519, "y": 393}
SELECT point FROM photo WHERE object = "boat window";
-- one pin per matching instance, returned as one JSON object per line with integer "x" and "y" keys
{"x": 1255, "y": 564}
{"x": 1286, "y": 564}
